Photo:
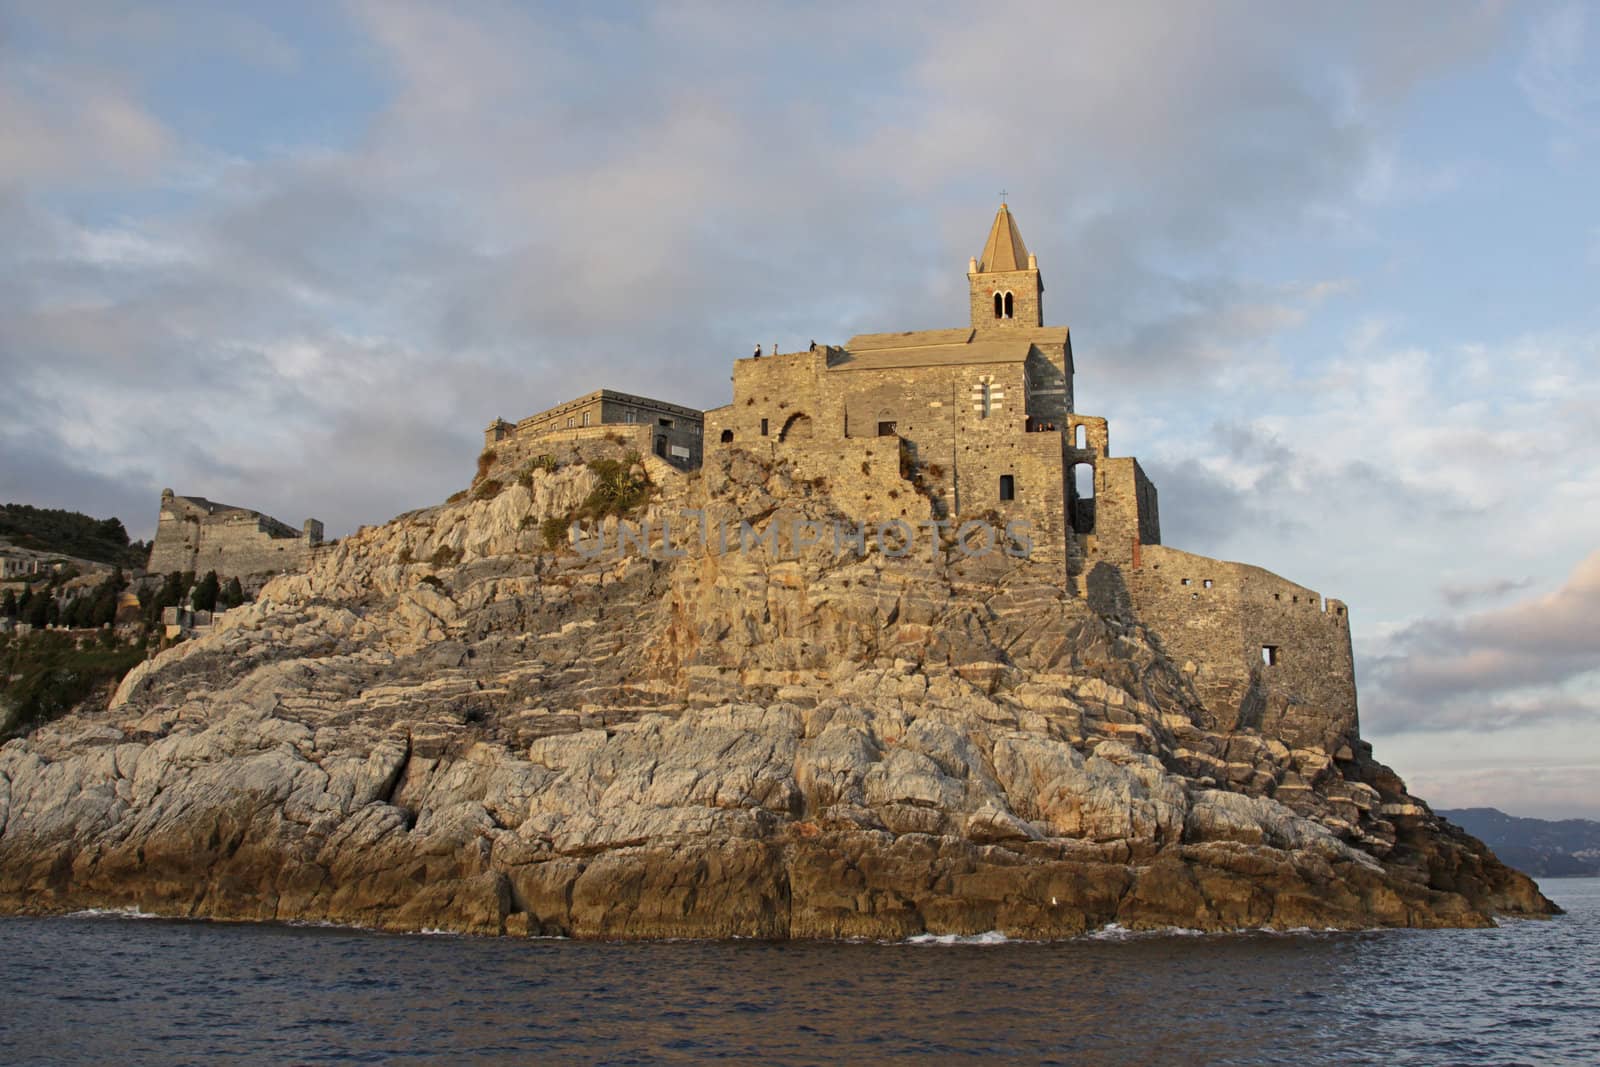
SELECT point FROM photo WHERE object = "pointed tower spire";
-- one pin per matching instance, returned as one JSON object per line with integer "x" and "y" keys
{"x": 1007, "y": 290}
{"x": 1004, "y": 250}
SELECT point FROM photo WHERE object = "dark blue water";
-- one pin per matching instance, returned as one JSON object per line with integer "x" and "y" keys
{"x": 118, "y": 990}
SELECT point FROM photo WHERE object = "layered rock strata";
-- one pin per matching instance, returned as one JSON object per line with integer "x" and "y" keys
{"x": 510, "y": 739}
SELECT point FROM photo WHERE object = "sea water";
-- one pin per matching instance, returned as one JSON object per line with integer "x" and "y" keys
{"x": 115, "y": 988}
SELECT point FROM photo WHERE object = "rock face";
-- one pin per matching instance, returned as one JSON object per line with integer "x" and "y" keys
{"x": 508, "y": 739}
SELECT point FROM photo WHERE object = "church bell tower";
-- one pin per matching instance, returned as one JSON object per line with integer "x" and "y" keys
{"x": 1007, "y": 292}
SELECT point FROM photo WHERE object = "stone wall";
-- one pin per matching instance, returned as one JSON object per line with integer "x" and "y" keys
{"x": 960, "y": 428}
{"x": 674, "y": 432}
{"x": 1263, "y": 652}
{"x": 1027, "y": 298}
{"x": 513, "y": 455}
{"x": 197, "y": 535}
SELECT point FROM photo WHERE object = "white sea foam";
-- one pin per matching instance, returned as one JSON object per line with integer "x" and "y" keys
{"x": 129, "y": 912}
{"x": 1118, "y": 932}
{"x": 992, "y": 937}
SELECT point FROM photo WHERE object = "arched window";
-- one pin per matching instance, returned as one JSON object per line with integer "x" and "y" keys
{"x": 1008, "y": 305}
{"x": 999, "y": 305}
{"x": 727, "y": 437}
{"x": 1082, "y": 436}
{"x": 798, "y": 428}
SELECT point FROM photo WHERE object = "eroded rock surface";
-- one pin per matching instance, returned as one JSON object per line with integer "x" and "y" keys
{"x": 523, "y": 741}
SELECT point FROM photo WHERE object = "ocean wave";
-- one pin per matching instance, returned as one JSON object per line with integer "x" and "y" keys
{"x": 991, "y": 937}
{"x": 129, "y": 912}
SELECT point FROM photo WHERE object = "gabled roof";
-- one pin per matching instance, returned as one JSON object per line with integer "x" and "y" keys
{"x": 1004, "y": 250}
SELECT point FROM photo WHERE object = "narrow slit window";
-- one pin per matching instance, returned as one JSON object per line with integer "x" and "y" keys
{"x": 763, "y": 427}
{"x": 1008, "y": 487}
{"x": 1269, "y": 655}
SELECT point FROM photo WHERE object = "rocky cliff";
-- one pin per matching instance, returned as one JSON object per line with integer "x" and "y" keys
{"x": 445, "y": 723}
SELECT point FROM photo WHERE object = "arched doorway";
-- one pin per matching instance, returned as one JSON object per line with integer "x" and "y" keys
{"x": 797, "y": 428}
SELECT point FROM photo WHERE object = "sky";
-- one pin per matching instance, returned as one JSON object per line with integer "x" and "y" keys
{"x": 1332, "y": 272}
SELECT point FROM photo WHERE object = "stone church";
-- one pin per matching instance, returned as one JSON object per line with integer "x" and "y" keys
{"x": 978, "y": 420}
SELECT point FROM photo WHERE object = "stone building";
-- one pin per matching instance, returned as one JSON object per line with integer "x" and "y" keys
{"x": 670, "y": 431}
{"x": 978, "y": 422}
{"x": 19, "y": 565}
{"x": 200, "y": 535}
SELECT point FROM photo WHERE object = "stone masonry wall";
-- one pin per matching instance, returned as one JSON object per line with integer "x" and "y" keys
{"x": 1262, "y": 651}
{"x": 234, "y": 543}
{"x": 1027, "y": 298}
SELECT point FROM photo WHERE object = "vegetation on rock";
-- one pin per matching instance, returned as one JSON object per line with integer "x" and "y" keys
{"x": 70, "y": 533}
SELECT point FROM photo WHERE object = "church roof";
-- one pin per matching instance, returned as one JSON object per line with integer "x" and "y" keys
{"x": 1004, "y": 250}
{"x": 947, "y": 348}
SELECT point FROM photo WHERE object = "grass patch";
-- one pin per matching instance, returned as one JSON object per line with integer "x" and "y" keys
{"x": 485, "y": 463}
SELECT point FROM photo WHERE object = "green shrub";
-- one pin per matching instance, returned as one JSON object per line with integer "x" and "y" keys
{"x": 546, "y": 463}
{"x": 50, "y": 675}
{"x": 456, "y": 497}
{"x": 554, "y": 530}
{"x": 487, "y": 488}
{"x": 619, "y": 492}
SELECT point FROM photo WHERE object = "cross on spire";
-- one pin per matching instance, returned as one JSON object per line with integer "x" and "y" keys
{"x": 1002, "y": 196}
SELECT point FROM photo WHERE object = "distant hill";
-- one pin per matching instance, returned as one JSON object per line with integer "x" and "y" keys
{"x": 70, "y": 533}
{"x": 1540, "y": 847}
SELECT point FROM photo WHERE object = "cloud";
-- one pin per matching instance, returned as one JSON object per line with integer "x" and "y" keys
{"x": 1460, "y": 594}
{"x": 1556, "y": 78}
{"x": 1536, "y": 789}
{"x": 1529, "y": 661}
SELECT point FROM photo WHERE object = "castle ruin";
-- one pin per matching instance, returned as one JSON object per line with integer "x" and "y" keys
{"x": 199, "y": 535}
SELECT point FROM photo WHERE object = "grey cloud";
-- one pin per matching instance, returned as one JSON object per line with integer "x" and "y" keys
{"x": 1497, "y": 668}
{"x": 550, "y": 205}
{"x": 1462, "y": 593}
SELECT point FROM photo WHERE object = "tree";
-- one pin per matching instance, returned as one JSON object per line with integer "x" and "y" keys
{"x": 8, "y": 606}
{"x": 39, "y": 611}
{"x": 204, "y": 597}
{"x": 232, "y": 593}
